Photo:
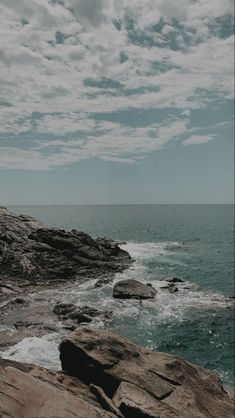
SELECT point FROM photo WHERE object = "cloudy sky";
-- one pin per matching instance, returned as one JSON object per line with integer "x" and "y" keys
{"x": 116, "y": 101}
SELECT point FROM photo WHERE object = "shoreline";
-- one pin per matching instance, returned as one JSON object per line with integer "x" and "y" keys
{"x": 31, "y": 307}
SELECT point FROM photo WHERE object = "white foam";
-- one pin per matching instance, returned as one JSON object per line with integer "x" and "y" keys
{"x": 41, "y": 351}
{"x": 166, "y": 308}
{"x": 143, "y": 251}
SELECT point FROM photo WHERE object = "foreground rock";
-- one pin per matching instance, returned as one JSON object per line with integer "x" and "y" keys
{"x": 132, "y": 289}
{"x": 140, "y": 383}
{"x": 28, "y": 391}
{"x": 30, "y": 250}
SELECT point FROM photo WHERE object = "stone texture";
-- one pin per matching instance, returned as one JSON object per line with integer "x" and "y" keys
{"x": 31, "y": 251}
{"x": 142, "y": 383}
{"x": 79, "y": 314}
{"x": 28, "y": 391}
{"x": 133, "y": 289}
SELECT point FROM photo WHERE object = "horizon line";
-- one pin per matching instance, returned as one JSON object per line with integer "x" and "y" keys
{"x": 111, "y": 204}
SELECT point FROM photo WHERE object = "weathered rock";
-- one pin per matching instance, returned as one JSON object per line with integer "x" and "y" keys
{"x": 105, "y": 401}
{"x": 79, "y": 314}
{"x": 142, "y": 383}
{"x": 135, "y": 402}
{"x": 132, "y": 289}
{"x": 28, "y": 391}
{"x": 29, "y": 250}
{"x": 231, "y": 393}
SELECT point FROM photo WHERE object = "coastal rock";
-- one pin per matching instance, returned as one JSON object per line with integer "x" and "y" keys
{"x": 142, "y": 383}
{"x": 31, "y": 391}
{"x": 135, "y": 402}
{"x": 133, "y": 289}
{"x": 79, "y": 314}
{"x": 31, "y": 251}
{"x": 174, "y": 280}
{"x": 102, "y": 282}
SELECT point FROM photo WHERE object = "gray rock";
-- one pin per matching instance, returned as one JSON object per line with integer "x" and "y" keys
{"x": 133, "y": 289}
{"x": 79, "y": 314}
{"x": 31, "y": 251}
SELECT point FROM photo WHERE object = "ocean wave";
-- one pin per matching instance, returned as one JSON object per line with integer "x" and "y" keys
{"x": 40, "y": 351}
{"x": 151, "y": 249}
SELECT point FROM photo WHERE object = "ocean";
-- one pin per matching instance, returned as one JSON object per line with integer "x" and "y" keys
{"x": 191, "y": 242}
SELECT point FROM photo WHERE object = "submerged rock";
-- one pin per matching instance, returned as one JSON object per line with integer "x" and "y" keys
{"x": 141, "y": 383}
{"x": 133, "y": 289}
{"x": 30, "y": 250}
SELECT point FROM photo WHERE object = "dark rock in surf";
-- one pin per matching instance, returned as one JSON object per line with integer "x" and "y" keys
{"x": 133, "y": 289}
{"x": 173, "y": 289}
{"x": 79, "y": 314}
{"x": 174, "y": 280}
{"x": 103, "y": 282}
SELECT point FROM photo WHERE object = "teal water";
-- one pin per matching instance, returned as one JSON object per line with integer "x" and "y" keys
{"x": 193, "y": 242}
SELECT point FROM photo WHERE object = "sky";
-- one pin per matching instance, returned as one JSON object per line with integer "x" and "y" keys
{"x": 116, "y": 101}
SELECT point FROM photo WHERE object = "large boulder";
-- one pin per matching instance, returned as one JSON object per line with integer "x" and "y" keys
{"x": 28, "y": 391}
{"x": 133, "y": 289}
{"x": 142, "y": 383}
{"x": 31, "y": 251}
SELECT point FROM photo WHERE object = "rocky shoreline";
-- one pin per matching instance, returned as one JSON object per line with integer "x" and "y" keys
{"x": 103, "y": 374}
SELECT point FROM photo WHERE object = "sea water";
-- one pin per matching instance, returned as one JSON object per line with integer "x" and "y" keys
{"x": 191, "y": 242}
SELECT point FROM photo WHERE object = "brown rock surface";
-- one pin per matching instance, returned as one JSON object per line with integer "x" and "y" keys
{"x": 28, "y": 391}
{"x": 143, "y": 383}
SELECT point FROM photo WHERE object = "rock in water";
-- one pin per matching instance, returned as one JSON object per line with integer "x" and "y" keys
{"x": 142, "y": 383}
{"x": 132, "y": 289}
{"x": 29, "y": 250}
{"x": 79, "y": 314}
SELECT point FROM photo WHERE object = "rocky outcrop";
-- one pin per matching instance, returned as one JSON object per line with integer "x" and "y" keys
{"x": 28, "y": 391}
{"x": 29, "y": 250}
{"x": 132, "y": 382}
{"x": 79, "y": 314}
{"x": 133, "y": 289}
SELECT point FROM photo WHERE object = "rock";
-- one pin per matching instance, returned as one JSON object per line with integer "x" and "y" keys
{"x": 231, "y": 393}
{"x": 104, "y": 401}
{"x": 174, "y": 280}
{"x": 31, "y": 251}
{"x": 141, "y": 383}
{"x": 14, "y": 303}
{"x": 102, "y": 282}
{"x": 79, "y": 314}
{"x": 173, "y": 289}
{"x": 132, "y": 289}
{"x": 135, "y": 402}
{"x": 31, "y": 391}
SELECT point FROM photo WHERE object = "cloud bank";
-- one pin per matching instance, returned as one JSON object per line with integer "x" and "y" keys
{"x": 71, "y": 68}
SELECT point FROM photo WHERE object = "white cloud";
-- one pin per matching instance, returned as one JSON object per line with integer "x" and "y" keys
{"x": 198, "y": 139}
{"x": 61, "y": 63}
{"x": 122, "y": 144}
